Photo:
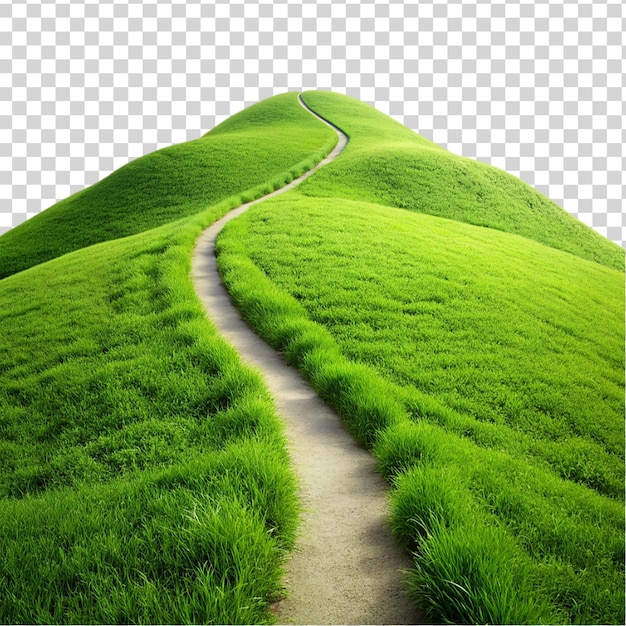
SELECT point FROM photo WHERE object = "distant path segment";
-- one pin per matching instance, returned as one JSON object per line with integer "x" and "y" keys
{"x": 347, "y": 567}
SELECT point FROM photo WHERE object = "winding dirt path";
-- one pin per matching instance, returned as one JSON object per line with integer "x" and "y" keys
{"x": 346, "y": 568}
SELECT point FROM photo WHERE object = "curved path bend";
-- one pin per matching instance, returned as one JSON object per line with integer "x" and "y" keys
{"x": 346, "y": 568}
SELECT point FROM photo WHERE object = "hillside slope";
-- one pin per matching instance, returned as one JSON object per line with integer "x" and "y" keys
{"x": 387, "y": 164}
{"x": 468, "y": 331}
{"x": 143, "y": 469}
{"x": 249, "y": 152}
{"x": 482, "y": 363}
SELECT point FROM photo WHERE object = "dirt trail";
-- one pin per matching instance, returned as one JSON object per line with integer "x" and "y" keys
{"x": 347, "y": 568}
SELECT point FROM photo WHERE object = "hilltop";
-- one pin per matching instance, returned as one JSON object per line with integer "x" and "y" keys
{"x": 256, "y": 151}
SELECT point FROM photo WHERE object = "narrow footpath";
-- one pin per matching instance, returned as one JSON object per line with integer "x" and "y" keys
{"x": 347, "y": 568}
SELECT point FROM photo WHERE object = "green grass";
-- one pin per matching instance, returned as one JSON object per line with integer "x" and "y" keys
{"x": 143, "y": 470}
{"x": 388, "y": 164}
{"x": 468, "y": 331}
{"x": 258, "y": 150}
{"x": 506, "y": 333}
{"x": 187, "y": 544}
{"x": 484, "y": 369}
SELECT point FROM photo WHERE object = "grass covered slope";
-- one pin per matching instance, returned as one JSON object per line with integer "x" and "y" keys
{"x": 143, "y": 471}
{"x": 388, "y": 164}
{"x": 485, "y": 371}
{"x": 253, "y": 150}
{"x": 483, "y": 368}
{"x": 501, "y": 330}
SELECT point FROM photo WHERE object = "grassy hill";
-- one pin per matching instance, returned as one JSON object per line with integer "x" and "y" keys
{"x": 466, "y": 328}
{"x": 471, "y": 334}
{"x": 388, "y": 164}
{"x": 143, "y": 472}
{"x": 256, "y": 151}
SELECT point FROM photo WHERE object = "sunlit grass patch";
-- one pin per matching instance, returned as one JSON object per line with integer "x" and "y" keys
{"x": 505, "y": 332}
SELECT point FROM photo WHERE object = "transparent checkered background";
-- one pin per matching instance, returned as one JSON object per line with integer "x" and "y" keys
{"x": 535, "y": 88}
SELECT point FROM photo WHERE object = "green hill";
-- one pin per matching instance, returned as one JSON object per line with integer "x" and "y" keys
{"x": 471, "y": 334}
{"x": 467, "y": 329}
{"x": 255, "y": 151}
{"x": 387, "y": 164}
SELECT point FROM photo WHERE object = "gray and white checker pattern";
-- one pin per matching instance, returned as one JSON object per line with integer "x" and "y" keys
{"x": 533, "y": 87}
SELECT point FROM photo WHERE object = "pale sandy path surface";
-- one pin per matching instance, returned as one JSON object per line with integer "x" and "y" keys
{"x": 346, "y": 568}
